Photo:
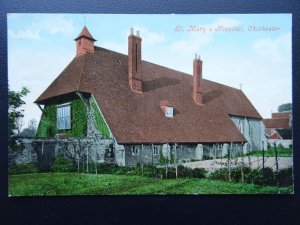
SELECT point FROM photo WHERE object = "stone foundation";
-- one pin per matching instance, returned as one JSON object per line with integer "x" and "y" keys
{"x": 97, "y": 150}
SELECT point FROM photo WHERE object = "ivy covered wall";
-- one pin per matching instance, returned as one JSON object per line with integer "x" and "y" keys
{"x": 47, "y": 125}
{"x": 100, "y": 122}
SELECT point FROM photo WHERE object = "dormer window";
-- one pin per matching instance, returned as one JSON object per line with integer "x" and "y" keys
{"x": 169, "y": 111}
{"x": 167, "y": 108}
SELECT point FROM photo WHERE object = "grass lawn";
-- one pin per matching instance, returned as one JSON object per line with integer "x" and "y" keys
{"x": 281, "y": 152}
{"x": 50, "y": 184}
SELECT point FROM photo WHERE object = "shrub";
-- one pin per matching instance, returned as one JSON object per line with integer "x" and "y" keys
{"x": 220, "y": 174}
{"x": 107, "y": 168}
{"x": 253, "y": 176}
{"x": 205, "y": 157}
{"x": 61, "y": 164}
{"x": 285, "y": 177}
{"x": 269, "y": 176}
{"x": 183, "y": 172}
{"x": 199, "y": 173}
{"x": 23, "y": 168}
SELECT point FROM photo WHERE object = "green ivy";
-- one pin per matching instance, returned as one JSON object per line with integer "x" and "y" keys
{"x": 100, "y": 122}
{"x": 47, "y": 125}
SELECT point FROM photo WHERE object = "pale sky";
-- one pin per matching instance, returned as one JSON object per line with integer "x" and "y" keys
{"x": 235, "y": 49}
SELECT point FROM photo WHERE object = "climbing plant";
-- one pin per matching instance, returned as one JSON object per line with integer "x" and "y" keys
{"x": 100, "y": 122}
{"x": 47, "y": 125}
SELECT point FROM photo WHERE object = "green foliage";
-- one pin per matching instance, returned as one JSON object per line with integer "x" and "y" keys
{"x": 255, "y": 176}
{"x": 47, "y": 125}
{"x": 285, "y": 177}
{"x": 23, "y": 168}
{"x": 61, "y": 164}
{"x": 15, "y": 114}
{"x": 220, "y": 174}
{"x": 15, "y": 102}
{"x": 172, "y": 158}
{"x": 205, "y": 157}
{"x": 285, "y": 107}
{"x": 79, "y": 119}
{"x": 285, "y": 133}
{"x": 100, "y": 122}
{"x": 161, "y": 158}
{"x": 49, "y": 184}
{"x": 281, "y": 152}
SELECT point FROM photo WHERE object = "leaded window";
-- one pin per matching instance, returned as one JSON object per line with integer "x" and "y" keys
{"x": 63, "y": 117}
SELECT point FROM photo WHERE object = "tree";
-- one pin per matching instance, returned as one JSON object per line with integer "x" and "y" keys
{"x": 285, "y": 107}
{"x": 30, "y": 131}
{"x": 32, "y": 125}
{"x": 15, "y": 114}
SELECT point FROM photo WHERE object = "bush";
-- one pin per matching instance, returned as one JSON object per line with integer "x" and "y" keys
{"x": 61, "y": 164}
{"x": 269, "y": 176}
{"x": 252, "y": 176}
{"x": 205, "y": 157}
{"x": 285, "y": 177}
{"x": 23, "y": 168}
{"x": 183, "y": 172}
{"x": 220, "y": 174}
{"x": 107, "y": 168}
{"x": 199, "y": 173}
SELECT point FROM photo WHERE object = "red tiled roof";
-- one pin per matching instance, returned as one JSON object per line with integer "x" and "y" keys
{"x": 272, "y": 133}
{"x": 137, "y": 118}
{"x": 276, "y": 123}
{"x": 281, "y": 115}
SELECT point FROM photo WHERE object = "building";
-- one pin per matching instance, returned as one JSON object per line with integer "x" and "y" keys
{"x": 278, "y": 128}
{"x": 134, "y": 110}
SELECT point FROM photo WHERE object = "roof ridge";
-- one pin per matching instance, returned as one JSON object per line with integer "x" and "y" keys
{"x": 183, "y": 73}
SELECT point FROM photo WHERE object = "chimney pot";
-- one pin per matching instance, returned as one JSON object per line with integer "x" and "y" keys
{"x": 131, "y": 31}
{"x": 138, "y": 33}
{"x": 195, "y": 55}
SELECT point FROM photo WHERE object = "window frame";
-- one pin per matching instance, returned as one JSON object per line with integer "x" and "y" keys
{"x": 134, "y": 150}
{"x": 58, "y": 107}
{"x": 156, "y": 148}
{"x": 170, "y": 115}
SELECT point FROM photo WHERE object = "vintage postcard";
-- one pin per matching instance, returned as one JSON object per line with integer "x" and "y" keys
{"x": 112, "y": 104}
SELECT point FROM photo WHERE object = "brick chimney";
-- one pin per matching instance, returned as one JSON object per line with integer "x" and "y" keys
{"x": 84, "y": 42}
{"x": 197, "y": 80}
{"x": 135, "y": 61}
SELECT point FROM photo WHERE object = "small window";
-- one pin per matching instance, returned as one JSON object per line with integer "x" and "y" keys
{"x": 171, "y": 147}
{"x": 241, "y": 126}
{"x": 63, "y": 117}
{"x": 98, "y": 156}
{"x": 134, "y": 150}
{"x": 156, "y": 150}
{"x": 169, "y": 112}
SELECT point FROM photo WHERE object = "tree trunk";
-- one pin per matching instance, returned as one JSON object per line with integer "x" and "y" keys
{"x": 276, "y": 161}
{"x": 87, "y": 160}
{"x": 263, "y": 163}
{"x": 152, "y": 160}
{"x": 175, "y": 161}
{"x": 77, "y": 163}
{"x": 142, "y": 164}
{"x": 229, "y": 162}
{"x": 166, "y": 160}
{"x": 242, "y": 161}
